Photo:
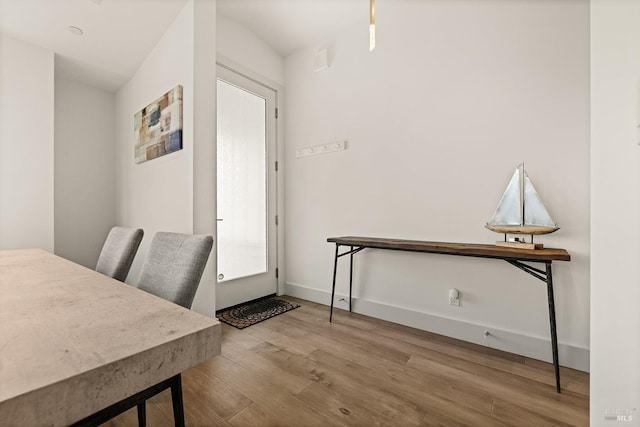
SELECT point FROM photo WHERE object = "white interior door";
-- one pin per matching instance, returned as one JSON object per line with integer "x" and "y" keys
{"x": 246, "y": 189}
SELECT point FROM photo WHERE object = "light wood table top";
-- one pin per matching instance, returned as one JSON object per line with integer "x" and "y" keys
{"x": 73, "y": 341}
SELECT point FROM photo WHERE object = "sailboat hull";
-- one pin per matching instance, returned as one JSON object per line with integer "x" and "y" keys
{"x": 522, "y": 229}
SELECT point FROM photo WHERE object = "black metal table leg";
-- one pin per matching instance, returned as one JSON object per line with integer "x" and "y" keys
{"x": 552, "y": 323}
{"x": 138, "y": 400}
{"x": 333, "y": 288}
{"x": 547, "y": 277}
{"x": 176, "y": 397}
{"x": 142, "y": 414}
{"x": 350, "y": 277}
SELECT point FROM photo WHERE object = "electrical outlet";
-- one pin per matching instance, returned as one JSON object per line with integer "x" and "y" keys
{"x": 454, "y": 297}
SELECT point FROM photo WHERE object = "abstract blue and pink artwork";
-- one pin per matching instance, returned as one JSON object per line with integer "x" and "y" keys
{"x": 158, "y": 127}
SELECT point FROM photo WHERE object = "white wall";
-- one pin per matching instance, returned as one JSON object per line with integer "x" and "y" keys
{"x": 615, "y": 208}
{"x": 437, "y": 117}
{"x": 26, "y": 145}
{"x": 84, "y": 170}
{"x": 242, "y": 50}
{"x": 158, "y": 195}
{"x": 204, "y": 152}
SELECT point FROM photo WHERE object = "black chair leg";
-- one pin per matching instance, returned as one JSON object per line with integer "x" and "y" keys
{"x": 176, "y": 397}
{"x": 142, "y": 414}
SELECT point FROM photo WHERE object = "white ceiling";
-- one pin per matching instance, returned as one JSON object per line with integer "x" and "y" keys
{"x": 118, "y": 34}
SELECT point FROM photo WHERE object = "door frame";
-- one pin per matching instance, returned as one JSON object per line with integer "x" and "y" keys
{"x": 234, "y": 67}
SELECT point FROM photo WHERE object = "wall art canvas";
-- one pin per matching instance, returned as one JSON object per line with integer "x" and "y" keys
{"x": 158, "y": 127}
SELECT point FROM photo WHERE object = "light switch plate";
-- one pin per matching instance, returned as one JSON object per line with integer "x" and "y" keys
{"x": 320, "y": 60}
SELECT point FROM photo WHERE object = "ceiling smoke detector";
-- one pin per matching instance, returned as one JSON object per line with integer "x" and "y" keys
{"x": 75, "y": 30}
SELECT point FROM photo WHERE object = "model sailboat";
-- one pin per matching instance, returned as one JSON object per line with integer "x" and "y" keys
{"x": 521, "y": 211}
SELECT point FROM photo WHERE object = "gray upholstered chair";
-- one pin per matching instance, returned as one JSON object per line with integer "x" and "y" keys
{"x": 118, "y": 252}
{"x": 172, "y": 271}
{"x": 174, "y": 266}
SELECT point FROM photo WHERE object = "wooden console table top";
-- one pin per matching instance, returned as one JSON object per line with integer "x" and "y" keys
{"x": 461, "y": 249}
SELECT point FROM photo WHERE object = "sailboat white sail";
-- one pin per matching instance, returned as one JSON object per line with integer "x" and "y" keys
{"x": 520, "y": 210}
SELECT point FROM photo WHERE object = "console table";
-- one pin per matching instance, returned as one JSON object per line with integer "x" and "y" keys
{"x": 514, "y": 256}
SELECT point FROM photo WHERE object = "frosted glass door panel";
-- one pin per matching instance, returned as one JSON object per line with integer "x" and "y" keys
{"x": 241, "y": 183}
{"x": 246, "y": 241}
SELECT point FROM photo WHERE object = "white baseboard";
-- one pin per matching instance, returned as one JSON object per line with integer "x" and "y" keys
{"x": 534, "y": 347}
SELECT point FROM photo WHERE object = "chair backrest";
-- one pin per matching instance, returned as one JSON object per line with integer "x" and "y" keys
{"x": 174, "y": 266}
{"x": 118, "y": 252}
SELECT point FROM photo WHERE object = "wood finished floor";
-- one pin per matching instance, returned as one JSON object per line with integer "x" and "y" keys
{"x": 298, "y": 370}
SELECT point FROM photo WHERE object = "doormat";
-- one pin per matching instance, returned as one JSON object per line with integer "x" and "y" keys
{"x": 252, "y": 312}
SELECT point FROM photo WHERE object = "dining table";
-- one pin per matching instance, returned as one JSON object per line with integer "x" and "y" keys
{"x": 74, "y": 342}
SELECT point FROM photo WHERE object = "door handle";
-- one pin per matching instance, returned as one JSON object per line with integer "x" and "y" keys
{"x": 219, "y": 219}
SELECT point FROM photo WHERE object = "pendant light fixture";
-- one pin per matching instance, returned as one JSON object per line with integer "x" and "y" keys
{"x": 372, "y": 24}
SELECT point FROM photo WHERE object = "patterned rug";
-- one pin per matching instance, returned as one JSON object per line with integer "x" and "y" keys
{"x": 252, "y": 312}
